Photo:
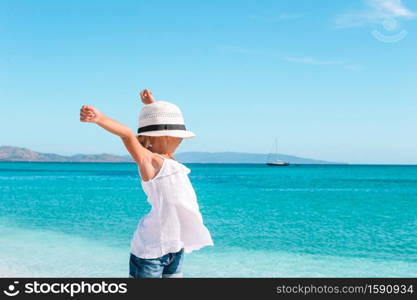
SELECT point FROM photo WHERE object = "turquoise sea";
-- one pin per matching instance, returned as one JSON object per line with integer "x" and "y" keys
{"x": 77, "y": 219}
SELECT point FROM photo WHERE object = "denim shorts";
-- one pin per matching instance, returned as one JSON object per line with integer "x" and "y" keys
{"x": 168, "y": 265}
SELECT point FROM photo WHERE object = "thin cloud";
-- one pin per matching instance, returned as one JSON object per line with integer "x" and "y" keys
{"x": 375, "y": 13}
{"x": 318, "y": 62}
{"x": 291, "y": 59}
{"x": 276, "y": 18}
{"x": 391, "y": 8}
{"x": 354, "y": 67}
{"x": 311, "y": 61}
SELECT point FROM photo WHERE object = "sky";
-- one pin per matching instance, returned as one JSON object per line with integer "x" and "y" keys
{"x": 331, "y": 80}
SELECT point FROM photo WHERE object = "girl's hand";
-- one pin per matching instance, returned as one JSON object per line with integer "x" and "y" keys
{"x": 89, "y": 114}
{"x": 146, "y": 96}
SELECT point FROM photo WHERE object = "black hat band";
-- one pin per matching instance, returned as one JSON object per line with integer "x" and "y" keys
{"x": 157, "y": 127}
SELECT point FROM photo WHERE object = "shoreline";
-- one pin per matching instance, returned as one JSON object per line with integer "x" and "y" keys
{"x": 210, "y": 163}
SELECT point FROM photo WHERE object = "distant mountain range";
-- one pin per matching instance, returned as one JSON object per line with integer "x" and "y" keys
{"x": 241, "y": 157}
{"x": 10, "y": 153}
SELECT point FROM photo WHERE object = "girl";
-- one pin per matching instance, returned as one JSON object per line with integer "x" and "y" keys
{"x": 174, "y": 225}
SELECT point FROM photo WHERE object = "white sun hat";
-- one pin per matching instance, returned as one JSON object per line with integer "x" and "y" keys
{"x": 162, "y": 118}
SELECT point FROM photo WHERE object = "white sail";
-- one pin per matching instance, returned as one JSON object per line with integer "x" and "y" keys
{"x": 277, "y": 161}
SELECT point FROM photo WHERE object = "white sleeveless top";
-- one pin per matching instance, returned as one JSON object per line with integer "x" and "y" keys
{"x": 174, "y": 221}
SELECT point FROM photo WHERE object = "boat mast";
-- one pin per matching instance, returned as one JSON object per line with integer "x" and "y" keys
{"x": 276, "y": 149}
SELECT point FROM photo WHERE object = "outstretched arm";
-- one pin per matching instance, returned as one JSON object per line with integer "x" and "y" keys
{"x": 139, "y": 153}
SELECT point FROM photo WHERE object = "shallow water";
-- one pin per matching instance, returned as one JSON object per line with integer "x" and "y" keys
{"x": 77, "y": 219}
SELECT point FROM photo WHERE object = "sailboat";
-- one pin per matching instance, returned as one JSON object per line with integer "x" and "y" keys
{"x": 277, "y": 162}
